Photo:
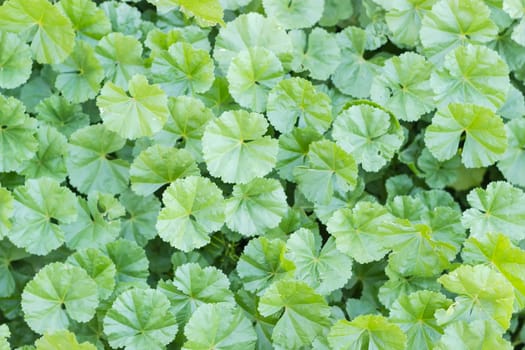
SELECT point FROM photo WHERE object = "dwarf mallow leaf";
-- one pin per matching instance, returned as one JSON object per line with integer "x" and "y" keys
{"x": 512, "y": 163}
{"x": 294, "y": 14}
{"x": 61, "y": 340}
{"x": 478, "y": 334}
{"x": 138, "y": 224}
{"x": 15, "y": 61}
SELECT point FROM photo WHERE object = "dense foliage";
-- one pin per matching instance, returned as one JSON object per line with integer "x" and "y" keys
{"x": 262, "y": 174}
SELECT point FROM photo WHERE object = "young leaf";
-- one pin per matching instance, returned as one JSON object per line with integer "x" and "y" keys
{"x": 256, "y": 207}
{"x": 194, "y": 208}
{"x": 89, "y": 21}
{"x": 219, "y": 326}
{"x": 209, "y": 12}
{"x": 15, "y": 60}
{"x": 478, "y": 334}
{"x": 305, "y": 314}
{"x": 52, "y": 34}
{"x": 294, "y": 14}
{"x": 485, "y": 136}
{"x": 367, "y": 332}
{"x": 141, "y": 113}
{"x": 61, "y": 340}
{"x": 58, "y": 294}
{"x": 236, "y": 150}
{"x": 42, "y": 208}
{"x": 140, "y": 319}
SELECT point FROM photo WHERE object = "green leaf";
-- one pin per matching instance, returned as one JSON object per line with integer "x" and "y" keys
{"x": 251, "y": 75}
{"x": 498, "y": 208}
{"x": 90, "y": 162}
{"x": 121, "y": 57}
{"x": 367, "y": 332}
{"x": 305, "y": 314}
{"x": 193, "y": 286}
{"x": 130, "y": 261}
{"x": 208, "y": 12}
{"x": 248, "y": 31}
{"x": 294, "y": 14}
{"x": 483, "y": 294}
{"x": 475, "y": 335}
{"x": 61, "y": 340}
{"x": 335, "y": 11}
{"x": 235, "y": 148}
{"x": 80, "y": 75}
{"x": 218, "y": 97}
{"x": 512, "y": 163}
{"x": 404, "y": 19}
{"x": 17, "y": 140}
{"x": 442, "y": 29}
{"x": 193, "y": 209}
{"x": 88, "y": 21}
{"x": 403, "y": 87}
{"x": 438, "y": 174}
{"x": 41, "y": 209}
{"x": 99, "y": 267}
{"x": 369, "y": 133}
{"x": 325, "y": 269}
{"x": 58, "y": 294}
{"x": 6, "y": 211}
{"x": 15, "y": 60}
{"x": 159, "y": 165}
{"x": 356, "y": 231}
{"x": 219, "y": 326}
{"x": 323, "y": 54}
{"x": 256, "y": 207}
{"x": 141, "y": 216}
{"x": 414, "y": 314}
{"x": 262, "y": 263}
{"x": 353, "y": 67}
{"x": 66, "y": 117}
{"x": 471, "y": 74}
{"x": 141, "y": 113}
{"x": 183, "y": 69}
{"x": 294, "y": 102}
{"x": 49, "y": 159}
{"x": 329, "y": 169}
{"x": 12, "y": 271}
{"x": 485, "y": 136}
{"x": 51, "y": 33}
{"x": 140, "y": 319}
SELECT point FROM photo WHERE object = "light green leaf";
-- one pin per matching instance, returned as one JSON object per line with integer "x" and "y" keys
{"x": 121, "y": 57}
{"x": 512, "y": 163}
{"x": 438, "y": 174}
{"x": 61, "y": 340}
{"x": 125, "y": 19}
{"x": 49, "y": 159}
{"x": 219, "y": 326}
{"x": 329, "y": 169}
{"x": 6, "y": 211}
{"x": 99, "y": 267}
{"x": 89, "y": 21}
{"x": 356, "y": 231}
{"x": 218, "y": 98}
{"x": 471, "y": 74}
{"x": 193, "y": 286}
{"x": 475, "y": 335}
{"x": 294, "y": 14}
{"x": 193, "y": 209}
{"x": 183, "y": 69}
{"x": 15, "y": 60}
{"x": 66, "y": 117}
{"x": 80, "y": 75}
{"x": 141, "y": 113}
{"x": 353, "y": 67}
{"x": 159, "y": 165}
{"x": 141, "y": 216}
{"x": 325, "y": 269}
{"x": 256, "y": 207}
{"x": 293, "y": 150}
{"x": 91, "y": 162}
{"x": 262, "y": 263}
{"x": 248, "y": 31}
{"x": 370, "y": 133}
{"x": 335, "y": 11}
{"x": 58, "y": 294}
{"x": 403, "y": 87}
{"x": 305, "y": 314}
{"x": 483, "y": 294}
{"x": 485, "y": 136}
{"x": 140, "y": 319}
{"x": 498, "y": 208}
{"x": 236, "y": 150}
{"x": 443, "y": 29}
{"x": 207, "y": 12}
{"x": 515, "y": 8}
{"x": 323, "y": 55}
{"x": 251, "y": 75}
{"x": 42, "y": 207}
{"x": 414, "y": 314}
{"x": 51, "y": 33}
{"x": 404, "y": 19}
{"x": 17, "y": 140}
{"x": 130, "y": 261}
{"x": 367, "y": 332}
{"x": 294, "y": 102}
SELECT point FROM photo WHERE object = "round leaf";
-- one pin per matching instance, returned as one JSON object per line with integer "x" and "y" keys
{"x": 15, "y": 60}
{"x": 294, "y": 14}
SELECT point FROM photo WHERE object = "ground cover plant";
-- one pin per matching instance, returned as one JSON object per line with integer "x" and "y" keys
{"x": 262, "y": 174}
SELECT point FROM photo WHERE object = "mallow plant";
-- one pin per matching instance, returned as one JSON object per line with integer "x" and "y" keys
{"x": 262, "y": 174}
